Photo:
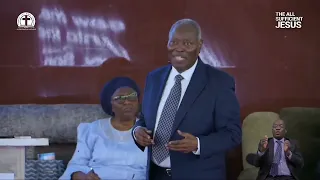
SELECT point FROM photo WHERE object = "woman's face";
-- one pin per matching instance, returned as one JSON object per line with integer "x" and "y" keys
{"x": 125, "y": 102}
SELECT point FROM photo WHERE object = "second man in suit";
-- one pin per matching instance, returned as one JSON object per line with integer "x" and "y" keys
{"x": 191, "y": 116}
{"x": 279, "y": 157}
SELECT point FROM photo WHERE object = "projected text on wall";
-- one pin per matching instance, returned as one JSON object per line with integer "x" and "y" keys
{"x": 78, "y": 40}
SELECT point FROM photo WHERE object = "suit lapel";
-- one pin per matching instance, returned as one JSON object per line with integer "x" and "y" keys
{"x": 195, "y": 87}
{"x": 160, "y": 80}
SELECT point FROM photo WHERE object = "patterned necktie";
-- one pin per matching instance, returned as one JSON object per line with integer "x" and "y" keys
{"x": 276, "y": 160}
{"x": 163, "y": 132}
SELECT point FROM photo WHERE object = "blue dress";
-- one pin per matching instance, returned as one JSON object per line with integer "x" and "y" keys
{"x": 112, "y": 154}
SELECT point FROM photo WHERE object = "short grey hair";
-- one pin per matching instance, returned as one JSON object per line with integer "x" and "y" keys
{"x": 186, "y": 22}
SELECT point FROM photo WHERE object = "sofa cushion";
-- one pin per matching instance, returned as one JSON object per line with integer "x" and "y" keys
{"x": 249, "y": 174}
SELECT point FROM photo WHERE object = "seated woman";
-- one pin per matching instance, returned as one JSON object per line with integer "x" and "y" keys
{"x": 105, "y": 148}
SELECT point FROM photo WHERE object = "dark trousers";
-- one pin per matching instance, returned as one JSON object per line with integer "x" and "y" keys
{"x": 158, "y": 173}
{"x": 280, "y": 178}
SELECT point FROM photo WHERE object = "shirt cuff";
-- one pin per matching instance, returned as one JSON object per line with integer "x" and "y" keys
{"x": 134, "y": 136}
{"x": 260, "y": 153}
{"x": 198, "y": 150}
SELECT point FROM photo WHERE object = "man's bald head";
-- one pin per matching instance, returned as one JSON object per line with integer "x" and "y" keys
{"x": 187, "y": 24}
{"x": 279, "y": 121}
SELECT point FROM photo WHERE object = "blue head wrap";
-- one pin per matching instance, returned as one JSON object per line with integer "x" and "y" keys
{"x": 109, "y": 89}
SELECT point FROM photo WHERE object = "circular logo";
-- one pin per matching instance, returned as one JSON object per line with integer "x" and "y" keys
{"x": 26, "y": 20}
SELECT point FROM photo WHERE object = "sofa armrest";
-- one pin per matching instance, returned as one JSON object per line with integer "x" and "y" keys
{"x": 249, "y": 174}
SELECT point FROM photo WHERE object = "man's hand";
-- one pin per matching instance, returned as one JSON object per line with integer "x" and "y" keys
{"x": 186, "y": 145}
{"x": 287, "y": 146}
{"x": 143, "y": 136}
{"x": 286, "y": 149}
{"x": 263, "y": 145}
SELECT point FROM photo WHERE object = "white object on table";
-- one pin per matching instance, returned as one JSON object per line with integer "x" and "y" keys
{"x": 12, "y": 154}
{"x": 6, "y": 176}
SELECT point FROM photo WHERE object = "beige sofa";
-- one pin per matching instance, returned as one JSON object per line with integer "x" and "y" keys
{"x": 254, "y": 127}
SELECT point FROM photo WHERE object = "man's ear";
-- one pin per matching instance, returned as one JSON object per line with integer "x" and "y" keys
{"x": 200, "y": 43}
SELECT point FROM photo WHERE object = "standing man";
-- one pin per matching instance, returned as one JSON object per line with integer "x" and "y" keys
{"x": 190, "y": 113}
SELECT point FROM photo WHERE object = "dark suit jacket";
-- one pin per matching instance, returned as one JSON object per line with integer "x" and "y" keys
{"x": 209, "y": 110}
{"x": 295, "y": 164}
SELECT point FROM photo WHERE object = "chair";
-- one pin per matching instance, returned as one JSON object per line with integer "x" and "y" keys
{"x": 255, "y": 126}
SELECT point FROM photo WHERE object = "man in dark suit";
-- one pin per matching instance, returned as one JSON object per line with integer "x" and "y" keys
{"x": 191, "y": 116}
{"x": 278, "y": 157}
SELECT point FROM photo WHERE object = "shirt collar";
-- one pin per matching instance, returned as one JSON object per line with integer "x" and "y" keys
{"x": 275, "y": 140}
{"x": 187, "y": 74}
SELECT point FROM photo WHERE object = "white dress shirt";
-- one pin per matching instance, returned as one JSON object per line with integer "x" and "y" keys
{"x": 169, "y": 84}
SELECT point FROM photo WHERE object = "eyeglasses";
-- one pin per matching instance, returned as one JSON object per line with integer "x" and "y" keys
{"x": 280, "y": 126}
{"x": 129, "y": 97}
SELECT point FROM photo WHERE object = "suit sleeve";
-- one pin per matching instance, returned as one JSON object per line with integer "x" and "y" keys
{"x": 227, "y": 121}
{"x": 296, "y": 158}
{"x": 258, "y": 159}
{"x": 141, "y": 122}
{"x": 82, "y": 154}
